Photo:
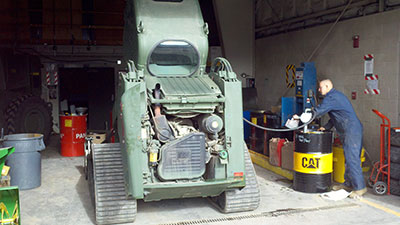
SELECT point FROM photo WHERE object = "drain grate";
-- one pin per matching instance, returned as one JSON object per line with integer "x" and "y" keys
{"x": 275, "y": 213}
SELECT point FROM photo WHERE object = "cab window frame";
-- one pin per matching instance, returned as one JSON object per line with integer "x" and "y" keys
{"x": 195, "y": 69}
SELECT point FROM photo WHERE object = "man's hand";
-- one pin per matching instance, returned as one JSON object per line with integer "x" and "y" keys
{"x": 296, "y": 117}
{"x": 321, "y": 129}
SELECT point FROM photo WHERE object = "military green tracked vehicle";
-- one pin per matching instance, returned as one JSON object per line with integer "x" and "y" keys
{"x": 179, "y": 128}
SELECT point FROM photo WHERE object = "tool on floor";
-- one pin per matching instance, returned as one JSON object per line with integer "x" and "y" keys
{"x": 9, "y": 196}
{"x": 335, "y": 195}
{"x": 379, "y": 179}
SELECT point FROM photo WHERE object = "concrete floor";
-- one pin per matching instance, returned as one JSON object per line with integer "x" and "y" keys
{"x": 63, "y": 198}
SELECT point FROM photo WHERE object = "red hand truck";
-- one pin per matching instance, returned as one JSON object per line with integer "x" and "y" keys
{"x": 379, "y": 179}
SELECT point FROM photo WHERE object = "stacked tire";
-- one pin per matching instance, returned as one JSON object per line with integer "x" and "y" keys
{"x": 28, "y": 114}
{"x": 395, "y": 161}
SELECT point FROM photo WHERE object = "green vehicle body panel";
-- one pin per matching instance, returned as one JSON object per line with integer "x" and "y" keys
{"x": 9, "y": 196}
{"x": 4, "y": 152}
{"x": 233, "y": 123}
{"x": 186, "y": 190}
{"x": 133, "y": 107}
{"x": 187, "y": 94}
{"x": 147, "y": 24}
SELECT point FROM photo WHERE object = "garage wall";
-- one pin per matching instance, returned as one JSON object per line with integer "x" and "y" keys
{"x": 344, "y": 65}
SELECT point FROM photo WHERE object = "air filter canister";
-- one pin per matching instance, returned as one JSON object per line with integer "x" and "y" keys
{"x": 312, "y": 162}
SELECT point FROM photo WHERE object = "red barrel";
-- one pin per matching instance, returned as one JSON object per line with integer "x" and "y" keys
{"x": 72, "y": 134}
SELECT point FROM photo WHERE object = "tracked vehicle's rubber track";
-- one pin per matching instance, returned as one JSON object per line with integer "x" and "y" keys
{"x": 112, "y": 206}
{"x": 246, "y": 199}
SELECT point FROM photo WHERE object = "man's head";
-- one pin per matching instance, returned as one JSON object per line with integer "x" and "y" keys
{"x": 325, "y": 86}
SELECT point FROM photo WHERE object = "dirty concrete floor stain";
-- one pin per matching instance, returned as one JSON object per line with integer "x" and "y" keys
{"x": 63, "y": 198}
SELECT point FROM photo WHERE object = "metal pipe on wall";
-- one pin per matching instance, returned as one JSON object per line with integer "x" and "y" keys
{"x": 314, "y": 15}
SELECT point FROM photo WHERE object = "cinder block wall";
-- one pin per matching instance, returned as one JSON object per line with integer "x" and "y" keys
{"x": 344, "y": 65}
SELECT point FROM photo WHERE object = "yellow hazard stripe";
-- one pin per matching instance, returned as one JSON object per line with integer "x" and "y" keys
{"x": 313, "y": 163}
{"x": 293, "y": 76}
{"x": 263, "y": 161}
{"x": 290, "y": 69}
{"x": 287, "y": 76}
{"x": 375, "y": 205}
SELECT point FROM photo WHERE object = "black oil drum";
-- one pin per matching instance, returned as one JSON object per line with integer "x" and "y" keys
{"x": 313, "y": 163}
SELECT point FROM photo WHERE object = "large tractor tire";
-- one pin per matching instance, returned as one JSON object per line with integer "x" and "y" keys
{"x": 395, "y": 171}
{"x": 394, "y": 187}
{"x": 245, "y": 199}
{"x": 394, "y": 154}
{"x": 395, "y": 136}
{"x": 29, "y": 114}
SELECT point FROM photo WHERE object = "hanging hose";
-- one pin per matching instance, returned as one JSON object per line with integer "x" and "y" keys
{"x": 329, "y": 31}
{"x": 221, "y": 64}
{"x": 279, "y": 130}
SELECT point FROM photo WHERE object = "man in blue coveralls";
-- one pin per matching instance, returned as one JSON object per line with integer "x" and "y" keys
{"x": 350, "y": 130}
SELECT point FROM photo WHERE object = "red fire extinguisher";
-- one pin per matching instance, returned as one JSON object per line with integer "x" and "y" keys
{"x": 356, "y": 41}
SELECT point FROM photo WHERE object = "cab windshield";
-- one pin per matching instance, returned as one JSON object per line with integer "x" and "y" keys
{"x": 173, "y": 58}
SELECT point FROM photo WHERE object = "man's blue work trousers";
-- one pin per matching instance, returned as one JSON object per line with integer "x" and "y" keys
{"x": 352, "y": 145}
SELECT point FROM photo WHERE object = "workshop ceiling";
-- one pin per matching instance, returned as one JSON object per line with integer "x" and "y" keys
{"x": 274, "y": 17}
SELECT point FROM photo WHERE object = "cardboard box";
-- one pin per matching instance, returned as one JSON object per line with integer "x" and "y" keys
{"x": 97, "y": 138}
{"x": 5, "y": 170}
{"x": 287, "y": 152}
{"x": 276, "y": 108}
{"x": 275, "y": 146}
